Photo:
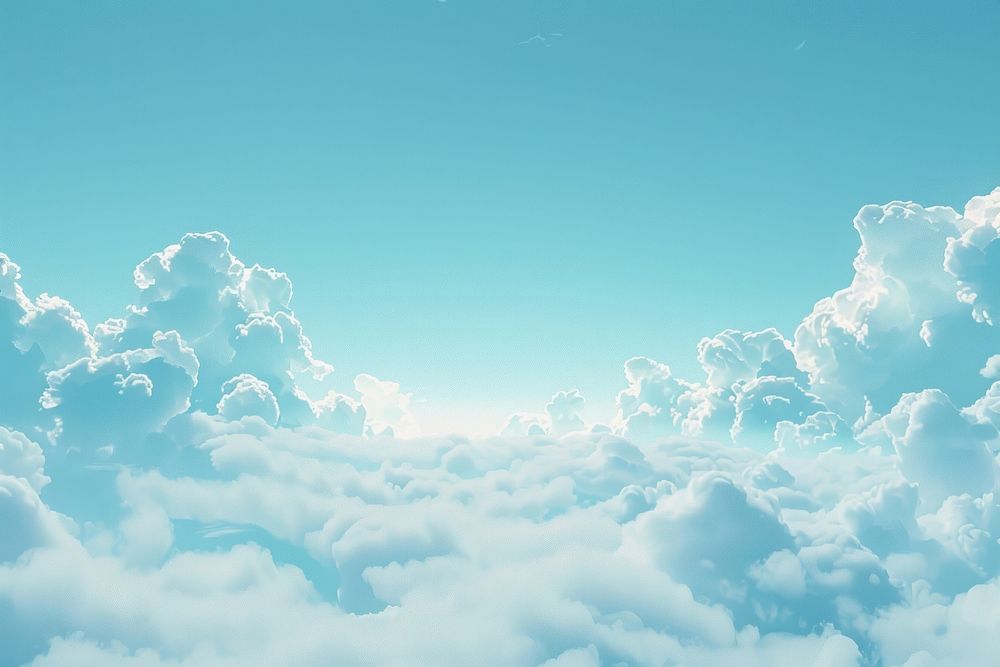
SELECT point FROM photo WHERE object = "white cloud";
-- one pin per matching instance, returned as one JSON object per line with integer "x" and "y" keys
{"x": 387, "y": 408}
{"x": 21, "y": 457}
{"x": 247, "y": 396}
{"x": 170, "y": 494}
{"x": 119, "y": 399}
{"x": 870, "y": 340}
{"x": 935, "y": 631}
{"x": 561, "y": 416}
{"x": 939, "y": 448}
{"x": 27, "y": 522}
{"x": 991, "y": 369}
{"x": 974, "y": 257}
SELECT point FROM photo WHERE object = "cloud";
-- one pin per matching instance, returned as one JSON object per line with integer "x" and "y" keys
{"x": 936, "y": 631}
{"x": 27, "y": 522}
{"x": 561, "y": 416}
{"x": 172, "y": 494}
{"x": 91, "y": 397}
{"x": 974, "y": 257}
{"x": 734, "y": 356}
{"x": 387, "y": 408}
{"x": 23, "y": 458}
{"x": 36, "y": 336}
{"x": 237, "y": 320}
{"x": 764, "y": 402}
{"x": 247, "y": 396}
{"x": 991, "y": 369}
{"x": 939, "y": 448}
{"x": 900, "y": 326}
{"x": 744, "y": 529}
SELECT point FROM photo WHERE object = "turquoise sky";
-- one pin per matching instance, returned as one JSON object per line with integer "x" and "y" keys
{"x": 489, "y": 202}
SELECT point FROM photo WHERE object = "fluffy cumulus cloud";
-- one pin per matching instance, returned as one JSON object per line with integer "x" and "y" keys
{"x": 388, "y": 409}
{"x": 182, "y": 485}
{"x": 561, "y": 416}
{"x": 246, "y": 396}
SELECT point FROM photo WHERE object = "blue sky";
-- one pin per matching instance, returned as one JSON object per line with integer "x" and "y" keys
{"x": 484, "y": 220}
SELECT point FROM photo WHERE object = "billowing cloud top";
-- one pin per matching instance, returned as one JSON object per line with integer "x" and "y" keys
{"x": 172, "y": 493}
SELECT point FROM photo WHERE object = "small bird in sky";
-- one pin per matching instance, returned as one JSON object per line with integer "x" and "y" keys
{"x": 544, "y": 38}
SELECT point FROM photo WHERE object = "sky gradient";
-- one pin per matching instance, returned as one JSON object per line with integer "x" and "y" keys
{"x": 481, "y": 216}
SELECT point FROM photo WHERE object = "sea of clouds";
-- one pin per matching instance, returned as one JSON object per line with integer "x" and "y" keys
{"x": 174, "y": 490}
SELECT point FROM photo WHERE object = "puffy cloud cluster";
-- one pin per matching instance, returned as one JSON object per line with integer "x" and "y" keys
{"x": 751, "y": 385}
{"x": 238, "y": 322}
{"x": 916, "y": 316}
{"x": 561, "y": 416}
{"x": 388, "y": 409}
{"x": 247, "y": 396}
{"x": 171, "y": 495}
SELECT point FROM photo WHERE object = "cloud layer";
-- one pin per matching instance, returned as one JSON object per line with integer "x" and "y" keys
{"x": 179, "y": 486}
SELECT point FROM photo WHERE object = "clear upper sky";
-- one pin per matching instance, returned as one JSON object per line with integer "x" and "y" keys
{"x": 489, "y": 202}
